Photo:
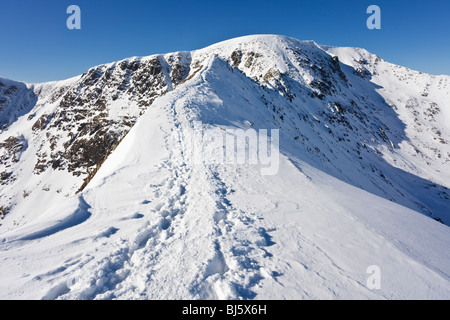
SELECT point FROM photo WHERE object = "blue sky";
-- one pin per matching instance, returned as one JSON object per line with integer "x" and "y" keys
{"x": 36, "y": 46}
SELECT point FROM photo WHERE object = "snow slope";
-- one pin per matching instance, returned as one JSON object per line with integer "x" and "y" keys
{"x": 362, "y": 179}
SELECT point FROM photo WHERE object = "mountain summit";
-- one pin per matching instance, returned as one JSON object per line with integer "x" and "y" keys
{"x": 100, "y": 197}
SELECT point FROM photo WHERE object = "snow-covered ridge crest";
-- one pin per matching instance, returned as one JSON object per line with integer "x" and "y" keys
{"x": 101, "y": 201}
{"x": 108, "y": 99}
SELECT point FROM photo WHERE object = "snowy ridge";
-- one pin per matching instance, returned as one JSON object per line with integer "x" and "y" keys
{"x": 362, "y": 179}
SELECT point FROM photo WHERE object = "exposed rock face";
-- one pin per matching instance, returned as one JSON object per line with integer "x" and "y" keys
{"x": 16, "y": 99}
{"x": 82, "y": 130}
{"x": 75, "y": 124}
{"x": 10, "y": 152}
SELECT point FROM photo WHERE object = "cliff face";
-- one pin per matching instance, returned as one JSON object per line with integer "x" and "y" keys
{"x": 72, "y": 126}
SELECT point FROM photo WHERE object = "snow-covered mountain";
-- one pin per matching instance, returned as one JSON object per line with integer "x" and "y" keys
{"x": 100, "y": 198}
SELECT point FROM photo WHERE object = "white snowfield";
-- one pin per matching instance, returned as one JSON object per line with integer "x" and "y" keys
{"x": 348, "y": 195}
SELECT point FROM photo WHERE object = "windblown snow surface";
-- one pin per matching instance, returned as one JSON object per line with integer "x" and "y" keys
{"x": 362, "y": 181}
